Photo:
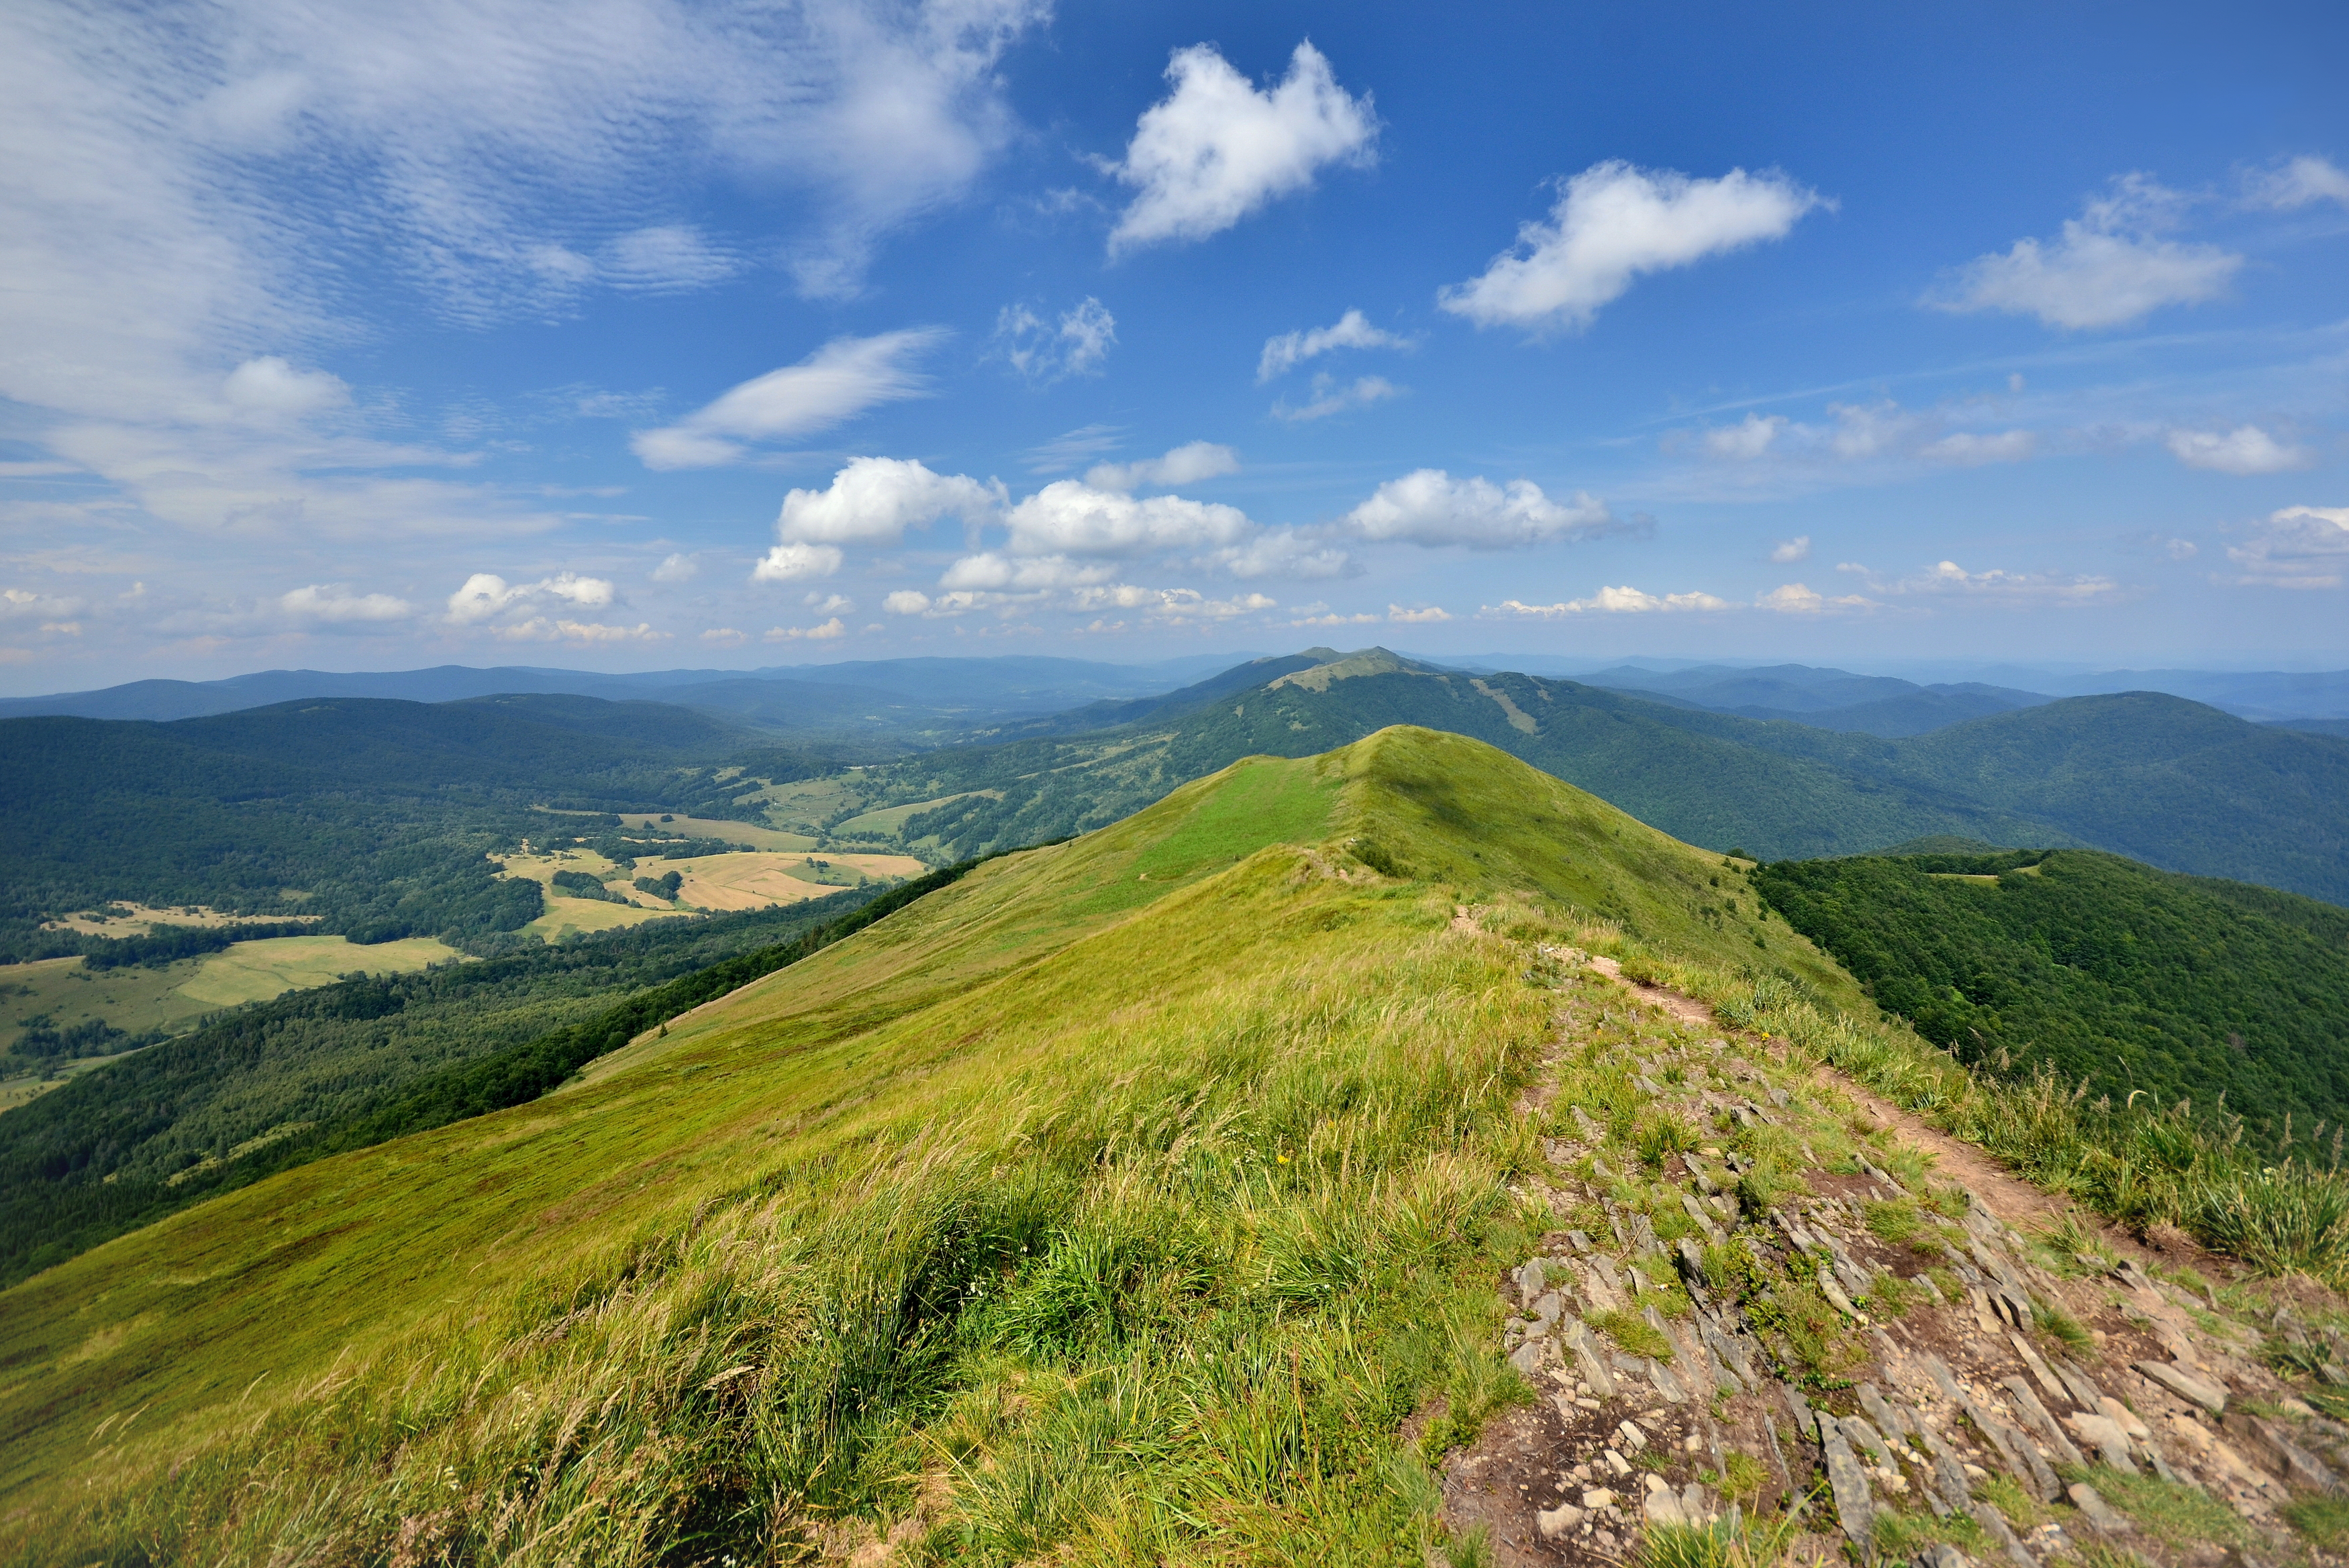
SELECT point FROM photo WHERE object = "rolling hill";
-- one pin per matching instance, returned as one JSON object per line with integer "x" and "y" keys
{"x": 2167, "y": 782}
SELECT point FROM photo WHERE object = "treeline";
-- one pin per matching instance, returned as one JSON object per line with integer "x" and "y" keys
{"x": 168, "y": 944}
{"x": 2101, "y": 969}
{"x": 351, "y": 1064}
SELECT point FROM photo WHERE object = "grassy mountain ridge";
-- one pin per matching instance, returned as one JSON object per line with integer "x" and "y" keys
{"x": 986, "y": 992}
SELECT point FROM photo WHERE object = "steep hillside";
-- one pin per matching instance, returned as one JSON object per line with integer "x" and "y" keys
{"x": 2110, "y": 972}
{"x": 1143, "y": 1198}
{"x": 1176, "y": 959}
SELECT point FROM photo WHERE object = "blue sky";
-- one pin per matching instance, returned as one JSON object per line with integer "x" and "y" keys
{"x": 633, "y": 334}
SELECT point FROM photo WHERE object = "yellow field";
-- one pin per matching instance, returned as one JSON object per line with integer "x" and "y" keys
{"x": 564, "y": 914}
{"x": 256, "y": 970}
{"x": 890, "y": 818}
{"x": 139, "y": 919}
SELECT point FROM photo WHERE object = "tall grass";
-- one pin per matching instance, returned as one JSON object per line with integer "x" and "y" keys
{"x": 1159, "y": 1283}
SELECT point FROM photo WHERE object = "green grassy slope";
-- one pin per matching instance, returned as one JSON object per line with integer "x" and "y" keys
{"x": 1049, "y": 1008}
{"x": 2112, "y": 972}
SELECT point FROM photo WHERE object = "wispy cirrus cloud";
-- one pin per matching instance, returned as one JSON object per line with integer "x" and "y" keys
{"x": 837, "y": 382}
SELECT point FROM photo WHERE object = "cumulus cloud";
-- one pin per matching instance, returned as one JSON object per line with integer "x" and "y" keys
{"x": 2298, "y": 183}
{"x": 819, "y": 633}
{"x": 486, "y": 596}
{"x": 990, "y": 569}
{"x": 795, "y": 562}
{"x": 1625, "y": 600}
{"x": 837, "y": 382}
{"x": 1611, "y": 223}
{"x": 2245, "y": 449}
{"x": 675, "y": 569}
{"x": 2298, "y": 547}
{"x": 724, "y": 637}
{"x": 1420, "y": 617}
{"x": 1290, "y": 349}
{"x": 1186, "y": 464}
{"x": 1430, "y": 507}
{"x": 2109, "y": 267}
{"x": 1067, "y": 517}
{"x": 874, "y": 501}
{"x": 1329, "y": 396}
{"x": 271, "y": 388}
{"x": 1789, "y": 551}
{"x": 1801, "y": 599}
{"x": 334, "y": 604}
{"x": 1282, "y": 552}
{"x": 1747, "y": 440}
{"x": 1966, "y": 449}
{"x": 1044, "y": 352}
{"x": 587, "y": 633}
{"x": 1215, "y": 148}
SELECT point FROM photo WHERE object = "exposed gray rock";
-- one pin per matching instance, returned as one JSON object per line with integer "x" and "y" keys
{"x": 1557, "y": 1524}
{"x": 1869, "y": 1441}
{"x": 2084, "y": 1390}
{"x": 2268, "y": 1441}
{"x": 1871, "y": 1399}
{"x": 2043, "y": 1422}
{"x": 1855, "y": 1510}
{"x": 1994, "y": 1524}
{"x": 2194, "y": 1390}
{"x": 2110, "y": 1440}
{"x": 2101, "y": 1515}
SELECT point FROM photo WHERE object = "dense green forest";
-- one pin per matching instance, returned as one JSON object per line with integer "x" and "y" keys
{"x": 346, "y": 1066}
{"x": 379, "y": 816}
{"x": 2104, "y": 969}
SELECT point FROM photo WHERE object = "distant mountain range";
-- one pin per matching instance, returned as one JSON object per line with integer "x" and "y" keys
{"x": 931, "y": 701}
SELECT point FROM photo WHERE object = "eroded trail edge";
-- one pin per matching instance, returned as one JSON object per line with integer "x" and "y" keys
{"x": 1768, "y": 1303}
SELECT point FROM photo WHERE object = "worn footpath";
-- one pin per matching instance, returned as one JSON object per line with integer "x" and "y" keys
{"x": 1763, "y": 1307}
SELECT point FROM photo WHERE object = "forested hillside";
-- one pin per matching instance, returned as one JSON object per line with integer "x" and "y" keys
{"x": 376, "y": 816}
{"x": 2165, "y": 781}
{"x": 2106, "y": 970}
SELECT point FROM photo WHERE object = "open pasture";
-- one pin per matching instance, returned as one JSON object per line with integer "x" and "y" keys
{"x": 138, "y": 918}
{"x": 256, "y": 970}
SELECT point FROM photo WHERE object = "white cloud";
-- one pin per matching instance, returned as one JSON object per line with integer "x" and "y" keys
{"x": 271, "y": 388}
{"x": 1801, "y": 599}
{"x": 1789, "y": 551}
{"x": 1428, "y": 615}
{"x": 1065, "y": 451}
{"x": 2298, "y": 547}
{"x": 485, "y": 595}
{"x": 1613, "y": 222}
{"x": 1626, "y": 601}
{"x": 1353, "y": 330}
{"x": 1067, "y": 517}
{"x": 1215, "y": 150}
{"x": 1186, "y": 464}
{"x": 334, "y": 603}
{"x": 874, "y": 501}
{"x": 2298, "y": 183}
{"x": 1430, "y": 507}
{"x": 829, "y": 603}
{"x": 1282, "y": 552}
{"x": 1044, "y": 352}
{"x": 994, "y": 570}
{"x": 1947, "y": 579}
{"x": 1747, "y": 440}
{"x": 2245, "y": 449}
{"x": 1329, "y": 398}
{"x": 670, "y": 259}
{"x": 49, "y": 611}
{"x": 793, "y": 562}
{"x": 1967, "y": 449}
{"x": 724, "y": 637}
{"x": 675, "y": 569}
{"x": 590, "y": 633}
{"x": 837, "y": 382}
{"x": 2108, "y": 268}
{"x": 906, "y": 602}
{"x": 825, "y": 633}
